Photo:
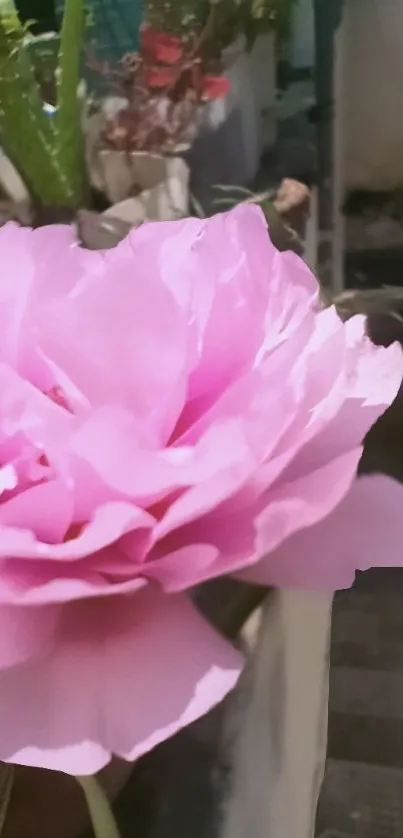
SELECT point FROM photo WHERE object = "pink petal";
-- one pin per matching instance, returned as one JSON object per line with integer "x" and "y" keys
{"x": 369, "y": 382}
{"x": 90, "y": 491}
{"x": 254, "y": 395}
{"x": 58, "y": 245}
{"x": 292, "y": 299}
{"x": 185, "y": 567}
{"x": 322, "y": 386}
{"x": 25, "y": 410}
{"x": 107, "y": 687}
{"x": 246, "y": 288}
{"x": 237, "y": 278}
{"x": 228, "y": 451}
{"x": 223, "y": 290}
{"x": 26, "y": 633}
{"x": 235, "y": 536}
{"x": 23, "y": 585}
{"x": 365, "y": 530}
{"x": 109, "y": 523}
{"x": 26, "y": 511}
{"x": 29, "y": 276}
{"x": 240, "y": 446}
{"x": 121, "y": 339}
{"x": 272, "y": 447}
{"x": 305, "y": 501}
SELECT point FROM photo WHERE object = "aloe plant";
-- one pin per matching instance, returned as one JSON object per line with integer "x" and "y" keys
{"x": 48, "y": 151}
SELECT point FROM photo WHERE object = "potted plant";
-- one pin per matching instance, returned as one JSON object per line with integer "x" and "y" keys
{"x": 227, "y": 146}
{"x": 47, "y": 151}
{"x": 142, "y": 135}
{"x": 241, "y": 35}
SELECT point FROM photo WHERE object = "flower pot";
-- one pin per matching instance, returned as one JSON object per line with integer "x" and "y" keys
{"x": 152, "y": 187}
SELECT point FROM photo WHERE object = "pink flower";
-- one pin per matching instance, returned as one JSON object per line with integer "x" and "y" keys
{"x": 172, "y": 410}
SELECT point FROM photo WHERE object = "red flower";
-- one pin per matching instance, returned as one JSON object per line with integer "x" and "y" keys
{"x": 159, "y": 47}
{"x": 159, "y": 77}
{"x": 215, "y": 87}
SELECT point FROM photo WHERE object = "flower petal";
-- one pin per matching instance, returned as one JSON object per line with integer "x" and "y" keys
{"x": 223, "y": 290}
{"x": 25, "y": 410}
{"x": 215, "y": 87}
{"x": 107, "y": 686}
{"x": 369, "y": 382}
{"x": 23, "y": 586}
{"x": 26, "y": 511}
{"x": 365, "y": 530}
{"x": 109, "y": 523}
{"x": 26, "y": 633}
{"x": 121, "y": 339}
{"x": 228, "y": 451}
{"x": 261, "y": 526}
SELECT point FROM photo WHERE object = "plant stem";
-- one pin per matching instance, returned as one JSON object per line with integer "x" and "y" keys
{"x": 102, "y": 817}
{"x": 7, "y": 775}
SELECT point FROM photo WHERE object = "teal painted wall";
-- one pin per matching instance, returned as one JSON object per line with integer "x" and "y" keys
{"x": 115, "y": 28}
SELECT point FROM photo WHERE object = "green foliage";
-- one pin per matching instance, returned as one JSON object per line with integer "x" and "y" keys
{"x": 177, "y": 16}
{"x": 232, "y": 17}
{"x": 270, "y": 14}
{"x": 68, "y": 117}
{"x": 48, "y": 151}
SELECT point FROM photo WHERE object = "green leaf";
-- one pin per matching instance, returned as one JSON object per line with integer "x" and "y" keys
{"x": 26, "y": 132}
{"x": 70, "y": 143}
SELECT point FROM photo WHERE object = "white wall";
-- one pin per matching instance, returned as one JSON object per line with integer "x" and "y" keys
{"x": 371, "y": 106}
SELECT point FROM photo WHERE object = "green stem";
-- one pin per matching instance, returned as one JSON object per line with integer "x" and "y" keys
{"x": 7, "y": 775}
{"x": 102, "y": 818}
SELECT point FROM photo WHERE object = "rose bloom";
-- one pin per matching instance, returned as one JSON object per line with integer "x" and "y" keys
{"x": 172, "y": 410}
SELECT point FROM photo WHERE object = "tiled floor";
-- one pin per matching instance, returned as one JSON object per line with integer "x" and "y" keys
{"x": 363, "y": 790}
